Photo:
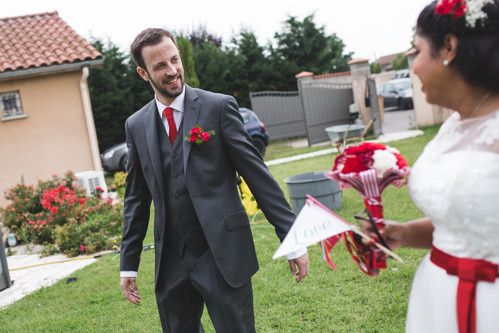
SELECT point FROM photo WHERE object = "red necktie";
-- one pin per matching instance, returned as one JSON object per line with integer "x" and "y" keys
{"x": 168, "y": 112}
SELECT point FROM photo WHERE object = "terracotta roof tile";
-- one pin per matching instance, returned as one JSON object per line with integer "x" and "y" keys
{"x": 329, "y": 75}
{"x": 39, "y": 40}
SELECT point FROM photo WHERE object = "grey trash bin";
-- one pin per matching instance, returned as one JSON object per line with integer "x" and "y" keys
{"x": 4, "y": 270}
{"x": 325, "y": 190}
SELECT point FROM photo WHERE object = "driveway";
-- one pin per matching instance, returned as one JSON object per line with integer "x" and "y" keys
{"x": 399, "y": 121}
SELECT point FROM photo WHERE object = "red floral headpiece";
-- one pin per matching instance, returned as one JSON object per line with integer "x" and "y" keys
{"x": 455, "y": 8}
{"x": 472, "y": 10}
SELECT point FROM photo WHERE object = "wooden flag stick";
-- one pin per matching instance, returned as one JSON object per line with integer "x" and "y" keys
{"x": 378, "y": 245}
{"x": 357, "y": 230}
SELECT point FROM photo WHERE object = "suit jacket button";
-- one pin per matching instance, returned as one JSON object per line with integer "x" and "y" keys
{"x": 175, "y": 175}
{"x": 174, "y": 155}
{"x": 177, "y": 195}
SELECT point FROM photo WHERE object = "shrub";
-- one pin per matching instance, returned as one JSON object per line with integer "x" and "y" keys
{"x": 55, "y": 213}
{"x": 69, "y": 238}
{"x": 25, "y": 203}
{"x": 35, "y": 210}
{"x": 119, "y": 183}
{"x": 247, "y": 199}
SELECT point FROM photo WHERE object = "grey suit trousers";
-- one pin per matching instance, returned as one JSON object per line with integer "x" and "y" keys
{"x": 187, "y": 283}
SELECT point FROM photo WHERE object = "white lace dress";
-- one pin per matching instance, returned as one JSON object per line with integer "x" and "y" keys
{"x": 455, "y": 182}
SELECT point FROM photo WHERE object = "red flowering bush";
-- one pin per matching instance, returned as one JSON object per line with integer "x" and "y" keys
{"x": 38, "y": 214}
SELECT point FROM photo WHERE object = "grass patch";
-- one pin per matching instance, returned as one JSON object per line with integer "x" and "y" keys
{"x": 341, "y": 301}
{"x": 283, "y": 148}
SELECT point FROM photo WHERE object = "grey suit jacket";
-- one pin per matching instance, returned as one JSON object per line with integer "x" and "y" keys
{"x": 210, "y": 171}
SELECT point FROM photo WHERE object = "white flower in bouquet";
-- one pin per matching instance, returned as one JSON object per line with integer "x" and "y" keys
{"x": 383, "y": 160}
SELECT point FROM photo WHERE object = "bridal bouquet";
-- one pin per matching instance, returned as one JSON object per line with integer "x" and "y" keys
{"x": 369, "y": 168}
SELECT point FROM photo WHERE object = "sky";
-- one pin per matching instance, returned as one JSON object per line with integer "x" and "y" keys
{"x": 368, "y": 28}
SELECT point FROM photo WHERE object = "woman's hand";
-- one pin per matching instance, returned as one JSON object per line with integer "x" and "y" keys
{"x": 393, "y": 233}
{"x": 416, "y": 233}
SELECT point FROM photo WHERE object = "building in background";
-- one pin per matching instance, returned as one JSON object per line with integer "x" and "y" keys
{"x": 46, "y": 121}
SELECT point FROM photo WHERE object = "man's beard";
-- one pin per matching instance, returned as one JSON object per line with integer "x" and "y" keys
{"x": 164, "y": 92}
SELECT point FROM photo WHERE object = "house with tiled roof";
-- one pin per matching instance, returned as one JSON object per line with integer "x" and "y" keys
{"x": 46, "y": 121}
{"x": 386, "y": 61}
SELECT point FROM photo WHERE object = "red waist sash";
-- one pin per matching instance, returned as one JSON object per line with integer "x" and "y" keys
{"x": 469, "y": 271}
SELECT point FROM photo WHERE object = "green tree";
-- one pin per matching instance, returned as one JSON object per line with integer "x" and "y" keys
{"x": 245, "y": 66}
{"x": 210, "y": 63}
{"x": 375, "y": 68}
{"x": 200, "y": 35}
{"x": 219, "y": 69}
{"x": 185, "y": 49}
{"x": 110, "y": 94}
{"x": 304, "y": 46}
{"x": 400, "y": 62}
{"x": 251, "y": 66}
{"x": 139, "y": 91}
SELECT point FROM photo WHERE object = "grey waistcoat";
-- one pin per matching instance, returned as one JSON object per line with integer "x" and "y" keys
{"x": 182, "y": 224}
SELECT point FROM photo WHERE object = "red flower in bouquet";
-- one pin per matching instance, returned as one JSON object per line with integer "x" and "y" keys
{"x": 369, "y": 168}
{"x": 369, "y": 156}
{"x": 198, "y": 136}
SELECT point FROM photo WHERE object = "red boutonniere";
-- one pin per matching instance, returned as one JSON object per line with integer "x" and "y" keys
{"x": 199, "y": 136}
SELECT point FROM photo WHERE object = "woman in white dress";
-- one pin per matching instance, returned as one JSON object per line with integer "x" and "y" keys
{"x": 455, "y": 181}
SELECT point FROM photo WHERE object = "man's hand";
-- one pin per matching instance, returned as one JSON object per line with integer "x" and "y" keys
{"x": 130, "y": 291}
{"x": 299, "y": 267}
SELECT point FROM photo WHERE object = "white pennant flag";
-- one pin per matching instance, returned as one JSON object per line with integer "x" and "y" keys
{"x": 312, "y": 225}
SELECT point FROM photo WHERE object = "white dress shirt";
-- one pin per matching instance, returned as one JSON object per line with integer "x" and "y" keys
{"x": 178, "y": 110}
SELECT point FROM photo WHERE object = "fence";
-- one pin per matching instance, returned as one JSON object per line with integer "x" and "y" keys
{"x": 326, "y": 101}
{"x": 321, "y": 101}
{"x": 281, "y": 112}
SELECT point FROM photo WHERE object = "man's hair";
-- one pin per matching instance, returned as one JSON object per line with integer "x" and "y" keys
{"x": 477, "y": 57}
{"x": 148, "y": 37}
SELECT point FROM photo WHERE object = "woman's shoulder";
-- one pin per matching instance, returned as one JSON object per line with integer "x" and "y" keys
{"x": 487, "y": 129}
{"x": 449, "y": 125}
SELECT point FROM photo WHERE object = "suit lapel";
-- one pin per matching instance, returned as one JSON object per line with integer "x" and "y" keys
{"x": 192, "y": 107}
{"x": 152, "y": 138}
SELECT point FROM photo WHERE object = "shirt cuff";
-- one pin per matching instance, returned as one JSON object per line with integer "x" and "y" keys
{"x": 296, "y": 254}
{"x": 128, "y": 274}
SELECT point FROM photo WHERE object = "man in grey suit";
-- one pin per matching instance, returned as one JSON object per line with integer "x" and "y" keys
{"x": 204, "y": 251}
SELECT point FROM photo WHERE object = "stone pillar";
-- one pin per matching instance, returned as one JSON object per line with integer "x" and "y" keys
{"x": 360, "y": 71}
{"x": 300, "y": 78}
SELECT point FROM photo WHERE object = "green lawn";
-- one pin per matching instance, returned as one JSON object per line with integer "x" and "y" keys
{"x": 283, "y": 148}
{"x": 344, "y": 300}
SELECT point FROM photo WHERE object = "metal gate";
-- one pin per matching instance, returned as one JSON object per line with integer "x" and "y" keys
{"x": 325, "y": 104}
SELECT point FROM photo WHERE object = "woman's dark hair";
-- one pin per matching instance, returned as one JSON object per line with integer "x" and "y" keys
{"x": 148, "y": 37}
{"x": 477, "y": 55}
